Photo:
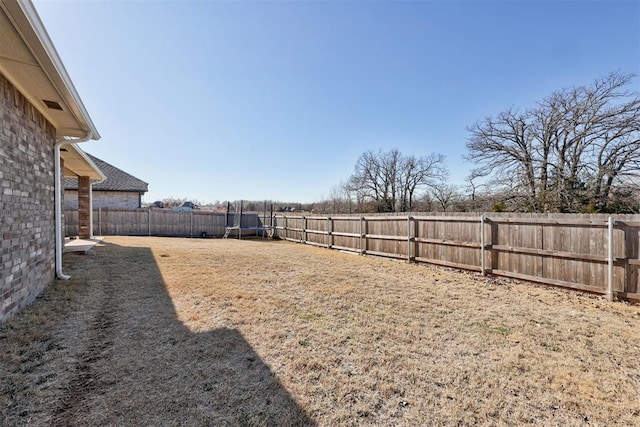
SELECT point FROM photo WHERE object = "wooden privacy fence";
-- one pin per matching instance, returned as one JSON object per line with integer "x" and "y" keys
{"x": 593, "y": 253}
{"x": 160, "y": 222}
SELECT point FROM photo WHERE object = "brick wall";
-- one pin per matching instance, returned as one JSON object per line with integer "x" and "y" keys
{"x": 27, "y": 225}
{"x": 105, "y": 199}
{"x": 84, "y": 208}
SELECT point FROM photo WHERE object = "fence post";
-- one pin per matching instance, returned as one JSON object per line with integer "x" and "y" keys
{"x": 304, "y": 229}
{"x": 149, "y": 222}
{"x": 409, "y": 238}
{"x": 272, "y": 224}
{"x": 226, "y": 217}
{"x": 482, "y": 266}
{"x": 416, "y": 234}
{"x": 361, "y": 236}
{"x": 100, "y": 221}
{"x": 365, "y": 231}
{"x": 329, "y": 231}
{"x": 191, "y": 224}
{"x": 610, "y": 259}
{"x": 495, "y": 255}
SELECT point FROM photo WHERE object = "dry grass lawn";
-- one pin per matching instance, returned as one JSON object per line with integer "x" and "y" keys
{"x": 160, "y": 331}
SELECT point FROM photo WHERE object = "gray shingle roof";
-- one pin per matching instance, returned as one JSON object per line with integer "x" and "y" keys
{"x": 117, "y": 179}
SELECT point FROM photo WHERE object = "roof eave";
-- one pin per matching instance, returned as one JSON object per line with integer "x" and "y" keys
{"x": 84, "y": 165}
{"x": 90, "y": 162}
{"x": 28, "y": 22}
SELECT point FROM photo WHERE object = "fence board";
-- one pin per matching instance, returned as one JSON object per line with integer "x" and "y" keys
{"x": 158, "y": 222}
{"x": 557, "y": 249}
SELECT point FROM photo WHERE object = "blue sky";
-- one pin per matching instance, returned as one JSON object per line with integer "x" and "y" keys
{"x": 227, "y": 100}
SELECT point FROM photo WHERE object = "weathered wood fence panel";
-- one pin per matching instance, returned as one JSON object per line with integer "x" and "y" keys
{"x": 159, "y": 222}
{"x": 342, "y": 235}
{"x": 571, "y": 251}
{"x": 564, "y": 250}
{"x": 447, "y": 241}
{"x": 121, "y": 223}
{"x": 70, "y": 222}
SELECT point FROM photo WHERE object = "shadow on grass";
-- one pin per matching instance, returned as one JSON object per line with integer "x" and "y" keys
{"x": 131, "y": 361}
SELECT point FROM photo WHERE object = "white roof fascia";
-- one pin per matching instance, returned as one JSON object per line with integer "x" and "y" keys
{"x": 77, "y": 150}
{"x": 30, "y": 26}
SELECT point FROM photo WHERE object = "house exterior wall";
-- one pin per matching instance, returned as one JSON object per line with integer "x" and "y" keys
{"x": 105, "y": 199}
{"x": 27, "y": 224}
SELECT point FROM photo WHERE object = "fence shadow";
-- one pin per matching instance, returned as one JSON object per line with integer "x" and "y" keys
{"x": 137, "y": 364}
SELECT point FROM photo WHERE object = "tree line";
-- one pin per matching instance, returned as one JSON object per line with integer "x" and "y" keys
{"x": 577, "y": 150}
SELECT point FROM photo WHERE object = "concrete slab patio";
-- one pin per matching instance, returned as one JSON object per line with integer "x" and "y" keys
{"x": 80, "y": 245}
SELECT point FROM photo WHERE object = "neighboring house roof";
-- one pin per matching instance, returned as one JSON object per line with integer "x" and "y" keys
{"x": 116, "y": 179}
{"x": 31, "y": 63}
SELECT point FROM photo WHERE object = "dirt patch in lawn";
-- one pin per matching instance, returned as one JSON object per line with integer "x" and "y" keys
{"x": 154, "y": 331}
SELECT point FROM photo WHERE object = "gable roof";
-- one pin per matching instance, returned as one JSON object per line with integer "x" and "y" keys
{"x": 116, "y": 179}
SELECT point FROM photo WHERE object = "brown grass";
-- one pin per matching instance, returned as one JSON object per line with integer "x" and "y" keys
{"x": 225, "y": 332}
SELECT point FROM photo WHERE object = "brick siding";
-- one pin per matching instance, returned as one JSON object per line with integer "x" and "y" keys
{"x": 84, "y": 208}
{"x": 27, "y": 224}
{"x": 105, "y": 199}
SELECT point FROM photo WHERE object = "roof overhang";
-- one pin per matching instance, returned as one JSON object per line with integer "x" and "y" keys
{"x": 31, "y": 63}
{"x": 77, "y": 163}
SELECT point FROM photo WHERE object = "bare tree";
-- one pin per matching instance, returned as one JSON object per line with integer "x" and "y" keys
{"x": 416, "y": 174}
{"x": 474, "y": 184}
{"x": 569, "y": 152}
{"x": 374, "y": 179}
{"x": 390, "y": 180}
{"x": 445, "y": 194}
{"x": 340, "y": 200}
{"x": 504, "y": 146}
